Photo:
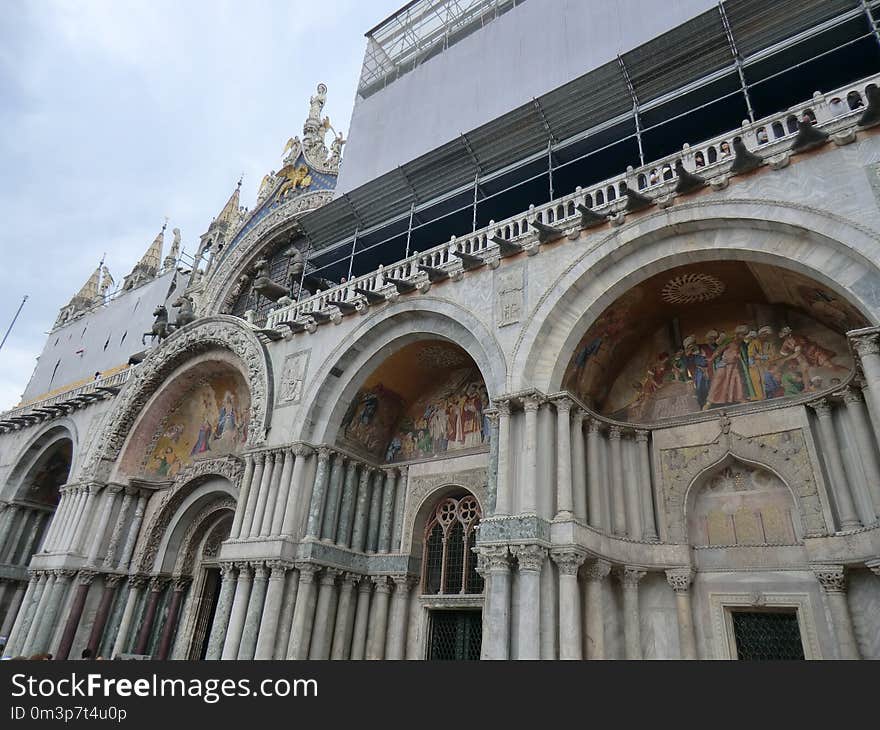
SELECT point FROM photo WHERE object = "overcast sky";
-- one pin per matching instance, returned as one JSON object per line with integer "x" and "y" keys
{"x": 116, "y": 113}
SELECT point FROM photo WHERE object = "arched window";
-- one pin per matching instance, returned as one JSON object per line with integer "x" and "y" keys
{"x": 449, "y": 566}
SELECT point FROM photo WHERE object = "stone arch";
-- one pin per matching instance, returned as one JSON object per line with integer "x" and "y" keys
{"x": 783, "y": 454}
{"x": 196, "y": 493}
{"x": 250, "y": 245}
{"x": 212, "y": 334}
{"x": 381, "y": 334}
{"x": 38, "y": 447}
{"x": 829, "y": 249}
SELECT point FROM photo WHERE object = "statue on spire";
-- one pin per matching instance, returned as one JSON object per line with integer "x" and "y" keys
{"x": 171, "y": 259}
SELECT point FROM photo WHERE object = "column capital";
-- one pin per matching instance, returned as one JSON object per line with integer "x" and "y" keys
{"x": 852, "y": 396}
{"x": 642, "y": 436}
{"x": 867, "y": 343}
{"x": 381, "y": 582}
{"x": 112, "y": 579}
{"x": 529, "y": 557}
{"x": 301, "y": 450}
{"x": 502, "y": 405}
{"x": 244, "y": 568}
{"x": 85, "y": 577}
{"x": 873, "y": 566}
{"x": 568, "y": 560}
{"x": 351, "y": 579}
{"x": 493, "y": 415}
{"x": 630, "y": 576}
{"x": 563, "y": 402}
{"x": 597, "y": 570}
{"x": 365, "y": 585}
{"x": 614, "y": 433}
{"x": 402, "y": 583}
{"x": 832, "y": 578}
{"x": 324, "y": 453}
{"x": 226, "y": 569}
{"x": 579, "y": 415}
{"x": 279, "y": 569}
{"x": 329, "y": 576}
{"x": 181, "y": 582}
{"x": 64, "y": 574}
{"x": 261, "y": 572}
{"x": 492, "y": 559}
{"x": 532, "y": 402}
{"x": 158, "y": 583}
{"x": 680, "y": 579}
{"x": 137, "y": 580}
{"x": 822, "y": 406}
{"x": 131, "y": 491}
{"x": 114, "y": 488}
{"x": 307, "y": 572}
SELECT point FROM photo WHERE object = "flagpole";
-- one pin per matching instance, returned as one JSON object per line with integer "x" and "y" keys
{"x": 12, "y": 323}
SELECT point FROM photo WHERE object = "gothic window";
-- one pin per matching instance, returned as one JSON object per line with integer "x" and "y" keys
{"x": 449, "y": 564}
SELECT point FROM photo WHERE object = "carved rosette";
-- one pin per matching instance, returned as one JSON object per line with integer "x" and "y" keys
{"x": 832, "y": 578}
{"x": 680, "y": 579}
{"x": 529, "y": 557}
{"x": 568, "y": 560}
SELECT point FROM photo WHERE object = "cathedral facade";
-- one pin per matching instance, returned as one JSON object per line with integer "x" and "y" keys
{"x": 639, "y": 419}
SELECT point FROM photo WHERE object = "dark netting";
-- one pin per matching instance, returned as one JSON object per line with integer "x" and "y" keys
{"x": 454, "y": 558}
{"x": 433, "y": 560}
{"x": 455, "y": 635}
{"x": 474, "y": 579}
{"x": 763, "y": 635}
{"x": 279, "y": 269}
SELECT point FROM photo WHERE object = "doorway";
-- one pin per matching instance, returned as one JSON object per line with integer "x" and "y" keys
{"x": 767, "y": 635}
{"x": 455, "y": 635}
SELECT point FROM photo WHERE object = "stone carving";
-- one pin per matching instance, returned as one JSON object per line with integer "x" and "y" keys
{"x": 509, "y": 295}
{"x": 680, "y": 579}
{"x": 529, "y": 557}
{"x": 630, "y": 576}
{"x": 187, "y": 314}
{"x": 293, "y": 378}
{"x": 597, "y": 570}
{"x": 832, "y": 578}
{"x": 198, "y": 528}
{"x": 784, "y": 454}
{"x": 568, "y": 560}
{"x": 220, "y": 332}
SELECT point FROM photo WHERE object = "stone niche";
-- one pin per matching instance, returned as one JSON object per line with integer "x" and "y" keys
{"x": 739, "y": 504}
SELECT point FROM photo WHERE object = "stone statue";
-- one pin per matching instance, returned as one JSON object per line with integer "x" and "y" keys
{"x": 160, "y": 326}
{"x": 106, "y": 281}
{"x": 316, "y": 103}
{"x": 268, "y": 183}
{"x": 171, "y": 258}
{"x": 187, "y": 312}
{"x": 336, "y": 150}
{"x": 264, "y": 285}
{"x": 295, "y": 268}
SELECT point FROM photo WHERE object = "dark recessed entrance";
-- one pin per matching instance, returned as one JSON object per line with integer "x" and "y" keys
{"x": 767, "y": 635}
{"x": 455, "y": 635}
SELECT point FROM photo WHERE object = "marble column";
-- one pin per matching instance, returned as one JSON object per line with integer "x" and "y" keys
{"x": 72, "y": 527}
{"x": 503, "y": 499}
{"x": 74, "y": 495}
{"x": 866, "y": 343}
{"x": 346, "y": 511}
{"x": 386, "y": 517}
{"x": 49, "y": 619}
{"x": 248, "y": 645}
{"x": 157, "y": 585}
{"x": 568, "y": 562}
{"x": 530, "y": 559}
{"x": 82, "y": 526}
{"x": 529, "y": 491}
{"x": 108, "y": 499}
{"x": 13, "y": 537}
{"x": 329, "y": 523}
{"x": 285, "y": 620}
{"x": 110, "y": 555}
{"x": 265, "y": 648}
{"x": 399, "y": 504}
{"x": 291, "y": 514}
{"x": 36, "y": 536}
{"x": 170, "y": 628}
{"x": 618, "y": 510}
{"x": 646, "y": 487}
{"x": 361, "y": 511}
{"x": 564, "y": 486}
{"x": 629, "y": 578}
{"x": 303, "y": 613}
{"x": 361, "y": 619}
{"x": 680, "y": 580}
{"x": 832, "y": 578}
{"x": 632, "y": 495}
{"x": 111, "y": 583}
{"x": 39, "y": 610}
{"x": 222, "y": 612}
{"x": 279, "y": 501}
{"x": 494, "y": 566}
{"x": 578, "y": 464}
{"x": 395, "y": 646}
{"x": 243, "y": 493}
{"x": 319, "y": 489}
{"x": 12, "y": 610}
{"x": 20, "y": 621}
{"x": 249, "y": 505}
{"x": 343, "y": 630}
{"x": 375, "y": 515}
{"x": 238, "y": 614}
{"x": 595, "y": 574}
{"x": 7, "y": 512}
{"x": 322, "y": 632}
{"x": 270, "y": 465}
{"x": 281, "y": 462}
{"x": 840, "y": 487}
{"x": 867, "y": 451}
{"x": 378, "y": 618}
{"x": 83, "y": 583}
{"x": 595, "y": 478}
{"x": 133, "y": 531}
{"x": 136, "y": 585}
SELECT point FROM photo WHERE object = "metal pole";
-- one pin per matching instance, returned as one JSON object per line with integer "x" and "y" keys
{"x": 353, "y": 246}
{"x": 549, "y": 168}
{"x": 302, "y": 277}
{"x": 12, "y": 323}
{"x": 412, "y": 210}
{"x": 871, "y": 21}
{"x": 731, "y": 41}
{"x": 476, "y": 193}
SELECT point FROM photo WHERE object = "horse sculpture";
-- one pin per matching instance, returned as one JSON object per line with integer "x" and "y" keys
{"x": 160, "y": 326}
{"x": 187, "y": 312}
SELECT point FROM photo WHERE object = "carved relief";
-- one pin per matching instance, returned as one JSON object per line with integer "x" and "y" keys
{"x": 293, "y": 378}
{"x": 784, "y": 454}
{"x": 509, "y": 295}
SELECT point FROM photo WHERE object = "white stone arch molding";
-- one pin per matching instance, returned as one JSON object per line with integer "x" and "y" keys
{"x": 197, "y": 493}
{"x": 379, "y": 335}
{"x": 835, "y": 252}
{"x": 220, "y": 288}
{"x": 784, "y": 454}
{"x": 62, "y": 429}
{"x": 223, "y": 333}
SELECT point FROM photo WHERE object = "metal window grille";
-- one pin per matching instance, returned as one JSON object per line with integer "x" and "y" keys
{"x": 455, "y": 635}
{"x": 449, "y": 564}
{"x": 767, "y": 635}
